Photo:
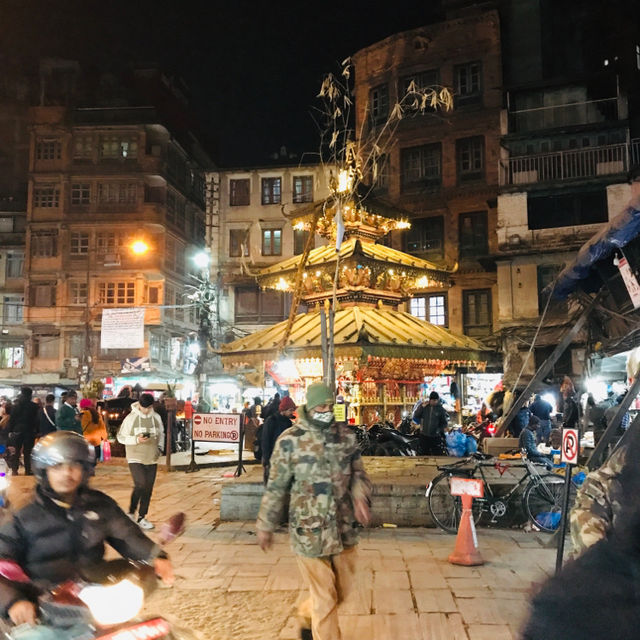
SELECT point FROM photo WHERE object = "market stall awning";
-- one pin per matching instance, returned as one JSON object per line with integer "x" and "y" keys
{"x": 360, "y": 332}
{"x": 616, "y": 234}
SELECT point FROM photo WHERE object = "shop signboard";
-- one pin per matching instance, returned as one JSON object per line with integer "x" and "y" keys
{"x": 340, "y": 412}
{"x": 216, "y": 427}
{"x": 570, "y": 446}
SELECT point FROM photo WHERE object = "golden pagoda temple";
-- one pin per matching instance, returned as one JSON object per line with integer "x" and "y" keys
{"x": 382, "y": 356}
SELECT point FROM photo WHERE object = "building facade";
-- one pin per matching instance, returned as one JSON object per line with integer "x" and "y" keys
{"x": 115, "y": 213}
{"x": 567, "y": 163}
{"x": 442, "y": 167}
{"x": 250, "y": 232}
{"x": 14, "y": 160}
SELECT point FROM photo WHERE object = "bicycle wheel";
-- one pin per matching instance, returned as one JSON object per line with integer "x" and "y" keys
{"x": 542, "y": 501}
{"x": 446, "y": 509}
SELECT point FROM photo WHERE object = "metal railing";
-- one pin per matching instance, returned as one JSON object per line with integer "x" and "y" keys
{"x": 562, "y": 115}
{"x": 576, "y": 164}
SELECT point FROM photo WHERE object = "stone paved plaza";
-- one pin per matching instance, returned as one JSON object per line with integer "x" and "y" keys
{"x": 228, "y": 589}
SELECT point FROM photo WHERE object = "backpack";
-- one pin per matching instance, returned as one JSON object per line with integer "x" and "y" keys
{"x": 257, "y": 444}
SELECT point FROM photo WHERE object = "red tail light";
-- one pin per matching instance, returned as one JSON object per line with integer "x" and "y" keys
{"x": 491, "y": 429}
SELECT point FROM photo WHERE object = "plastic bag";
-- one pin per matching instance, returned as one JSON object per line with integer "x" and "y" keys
{"x": 549, "y": 519}
{"x": 456, "y": 443}
{"x": 472, "y": 446}
{"x": 105, "y": 451}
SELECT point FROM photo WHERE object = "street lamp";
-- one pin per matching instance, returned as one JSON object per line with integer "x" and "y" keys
{"x": 202, "y": 259}
{"x": 139, "y": 247}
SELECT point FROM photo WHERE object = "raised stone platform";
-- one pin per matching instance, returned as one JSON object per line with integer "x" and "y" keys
{"x": 399, "y": 486}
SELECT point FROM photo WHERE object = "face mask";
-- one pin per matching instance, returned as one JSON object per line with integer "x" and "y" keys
{"x": 325, "y": 416}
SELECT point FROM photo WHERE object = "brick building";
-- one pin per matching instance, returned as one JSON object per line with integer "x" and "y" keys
{"x": 443, "y": 167}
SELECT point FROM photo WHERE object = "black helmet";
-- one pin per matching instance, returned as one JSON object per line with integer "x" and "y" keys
{"x": 62, "y": 447}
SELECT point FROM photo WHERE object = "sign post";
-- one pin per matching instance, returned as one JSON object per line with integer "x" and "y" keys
{"x": 569, "y": 455}
{"x": 217, "y": 427}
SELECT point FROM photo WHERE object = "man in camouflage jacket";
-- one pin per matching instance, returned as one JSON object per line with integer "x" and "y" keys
{"x": 317, "y": 462}
{"x": 599, "y": 503}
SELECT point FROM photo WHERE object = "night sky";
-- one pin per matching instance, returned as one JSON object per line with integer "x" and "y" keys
{"x": 253, "y": 68}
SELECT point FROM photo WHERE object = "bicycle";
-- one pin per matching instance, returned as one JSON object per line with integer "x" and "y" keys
{"x": 541, "y": 495}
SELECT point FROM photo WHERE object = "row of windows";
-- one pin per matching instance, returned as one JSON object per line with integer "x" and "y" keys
{"x": 270, "y": 189}
{"x": 47, "y": 196}
{"x": 271, "y": 242}
{"x": 421, "y": 167}
{"x": 108, "y": 146}
{"x": 426, "y": 235}
{"x": 43, "y": 294}
{"x": 476, "y": 311}
{"x": 467, "y": 86}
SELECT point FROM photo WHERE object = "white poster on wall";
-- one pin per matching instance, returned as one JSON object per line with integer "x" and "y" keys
{"x": 630, "y": 281}
{"x": 122, "y": 329}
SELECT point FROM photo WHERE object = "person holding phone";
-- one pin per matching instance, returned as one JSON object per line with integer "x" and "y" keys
{"x": 142, "y": 432}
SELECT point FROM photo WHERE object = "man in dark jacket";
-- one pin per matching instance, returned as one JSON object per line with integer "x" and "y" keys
{"x": 433, "y": 420}
{"x": 47, "y": 416}
{"x": 23, "y": 427}
{"x": 527, "y": 441}
{"x": 541, "y": 409}
{"x": 272, "y": 428}
{"x": 272, "y": 407}
{"x": 64, "y": 529}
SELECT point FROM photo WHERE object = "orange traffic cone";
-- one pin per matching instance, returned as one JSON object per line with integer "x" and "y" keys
{"x": 466, "y": 550}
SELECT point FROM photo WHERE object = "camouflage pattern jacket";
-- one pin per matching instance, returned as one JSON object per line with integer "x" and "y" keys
{"x": 321, "y": 468}
{"x": 598, "y": 503}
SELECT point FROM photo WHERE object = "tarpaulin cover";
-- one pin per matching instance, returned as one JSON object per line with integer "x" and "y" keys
{"x": 619, "y": 232}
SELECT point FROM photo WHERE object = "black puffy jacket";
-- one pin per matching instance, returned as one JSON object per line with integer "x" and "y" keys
{"x": 52, "y": 543}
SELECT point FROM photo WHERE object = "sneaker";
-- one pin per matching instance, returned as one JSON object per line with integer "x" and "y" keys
{"x": 143, "y": 523}
{"x": 133, "y": 517}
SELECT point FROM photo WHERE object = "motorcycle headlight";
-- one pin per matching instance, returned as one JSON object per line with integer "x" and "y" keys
{"x": 113, "y": 604}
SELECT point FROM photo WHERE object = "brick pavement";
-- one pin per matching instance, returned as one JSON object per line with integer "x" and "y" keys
{"x": 228, "y": 589}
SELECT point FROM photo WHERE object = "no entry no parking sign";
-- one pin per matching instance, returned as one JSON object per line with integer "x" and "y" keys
{"x": 216, "y": 427}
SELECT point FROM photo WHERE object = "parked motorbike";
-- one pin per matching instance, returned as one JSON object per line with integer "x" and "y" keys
{"x": 103, "y": 604}
{"x": 482, "y": 430}
{"x": 389, "y": 441}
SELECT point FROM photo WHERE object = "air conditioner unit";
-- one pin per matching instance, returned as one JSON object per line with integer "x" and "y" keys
{"x": 111, "y": 260}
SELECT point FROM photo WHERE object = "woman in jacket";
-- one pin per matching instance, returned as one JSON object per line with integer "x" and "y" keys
{"x": 93, "y": 428}
{"x": 141, "y": 432}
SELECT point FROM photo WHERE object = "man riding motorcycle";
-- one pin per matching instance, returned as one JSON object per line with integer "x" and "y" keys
{"x": 65, "y": 527}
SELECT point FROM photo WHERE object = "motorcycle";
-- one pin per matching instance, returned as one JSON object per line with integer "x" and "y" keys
{"x": 103, "y": 604}
{"x": 482, "y": 430}
{"x": 389, "y": 441}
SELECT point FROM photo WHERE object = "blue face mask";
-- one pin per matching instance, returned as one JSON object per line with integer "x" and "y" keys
{"x": 325, "y": 416}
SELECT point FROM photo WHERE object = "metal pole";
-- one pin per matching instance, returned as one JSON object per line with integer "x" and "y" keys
{"x": 171, "y": 416}
{"x": 565, "y": 516}
{"x": 323, "y": 344}
{"x": 193, "y": 465}
{"x": 240, "y": 468}
{"x": 545, "y": 368}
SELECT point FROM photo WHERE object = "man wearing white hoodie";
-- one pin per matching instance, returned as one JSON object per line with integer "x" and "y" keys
{"x": 142, "y": 432}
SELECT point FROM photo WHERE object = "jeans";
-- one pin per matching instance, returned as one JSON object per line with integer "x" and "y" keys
{"x": 144, "y": 477}
{"x": 432, "y": 445}
{"x": 543, "y": 431}
{"x": 21, "y": 442}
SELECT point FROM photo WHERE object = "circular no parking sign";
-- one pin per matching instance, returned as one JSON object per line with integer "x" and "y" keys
{"x": 570, "y": 446}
